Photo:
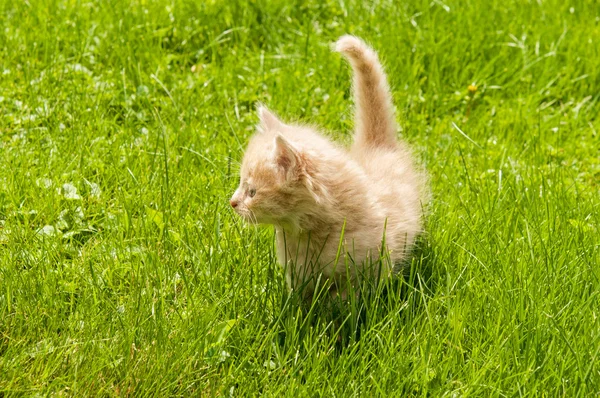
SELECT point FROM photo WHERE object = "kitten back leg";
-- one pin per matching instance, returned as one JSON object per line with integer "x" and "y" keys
{"x": 374, "y": 115}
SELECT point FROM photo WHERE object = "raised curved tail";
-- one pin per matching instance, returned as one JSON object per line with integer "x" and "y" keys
{"x": 374, "y": 115}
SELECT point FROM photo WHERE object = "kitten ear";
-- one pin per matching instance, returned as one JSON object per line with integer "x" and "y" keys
{"x": 286, "y": 156}
{"x": 268, "y": 120}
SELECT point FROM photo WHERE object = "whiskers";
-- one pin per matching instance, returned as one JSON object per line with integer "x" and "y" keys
{"x": 251, "y": 217}
{"x": 245, "y": 218}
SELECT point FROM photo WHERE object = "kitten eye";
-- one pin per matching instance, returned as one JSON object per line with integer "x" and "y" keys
{"x": 252, "y": 192}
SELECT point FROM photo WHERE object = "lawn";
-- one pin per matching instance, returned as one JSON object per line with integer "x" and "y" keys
{"x": 123, "y": 271}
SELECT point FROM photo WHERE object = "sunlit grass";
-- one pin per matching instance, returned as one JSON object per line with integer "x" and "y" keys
{"x": 124, "y": 272}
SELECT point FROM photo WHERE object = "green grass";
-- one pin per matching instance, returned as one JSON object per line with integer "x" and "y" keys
{"x": 124, "y": 272}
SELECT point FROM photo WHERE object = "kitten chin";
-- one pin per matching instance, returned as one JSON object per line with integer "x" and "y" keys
{"x": 338, "y": 213}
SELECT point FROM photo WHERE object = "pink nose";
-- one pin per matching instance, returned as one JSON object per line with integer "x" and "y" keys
{"x": 233, "y": 203}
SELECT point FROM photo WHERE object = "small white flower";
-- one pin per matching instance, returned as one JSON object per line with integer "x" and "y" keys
{"x": 69, "y": 191}
{"x": 95, "y": 190}
{"x": 44, "y": 183}
{"x": 48, "y": 230}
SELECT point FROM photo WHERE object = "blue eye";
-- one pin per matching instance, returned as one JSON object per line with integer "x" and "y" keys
{"x": 252, "y": 192}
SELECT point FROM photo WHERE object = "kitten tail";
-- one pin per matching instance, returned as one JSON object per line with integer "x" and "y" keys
{"x": 374, "y": 115}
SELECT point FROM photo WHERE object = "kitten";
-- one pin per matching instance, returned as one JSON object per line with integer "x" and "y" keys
{"x": 338, "y": 214}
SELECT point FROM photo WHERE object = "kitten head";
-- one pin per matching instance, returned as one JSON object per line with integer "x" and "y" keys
{"x": 273, "y": 177}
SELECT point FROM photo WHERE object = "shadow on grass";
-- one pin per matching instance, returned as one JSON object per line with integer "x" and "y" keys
{"x": 339, "y": 323}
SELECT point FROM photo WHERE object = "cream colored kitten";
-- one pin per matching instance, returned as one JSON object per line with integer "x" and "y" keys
{"x": 339, "y": 214}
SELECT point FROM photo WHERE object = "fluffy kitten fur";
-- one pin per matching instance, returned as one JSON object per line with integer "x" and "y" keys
{"x": 336, "y": 212}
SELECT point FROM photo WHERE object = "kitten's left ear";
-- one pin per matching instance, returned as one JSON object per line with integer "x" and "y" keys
{"x": 286, "y": 156}
{"x": 268, "y": 120}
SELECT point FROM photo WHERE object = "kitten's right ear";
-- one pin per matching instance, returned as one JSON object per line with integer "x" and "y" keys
{"x": 268, "y": 120}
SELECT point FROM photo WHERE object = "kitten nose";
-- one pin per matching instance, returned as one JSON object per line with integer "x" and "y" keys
{"x": 233, "y": 203}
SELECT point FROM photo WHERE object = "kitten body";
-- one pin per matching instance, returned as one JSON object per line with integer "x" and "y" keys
{"x": 336, "y": 212}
